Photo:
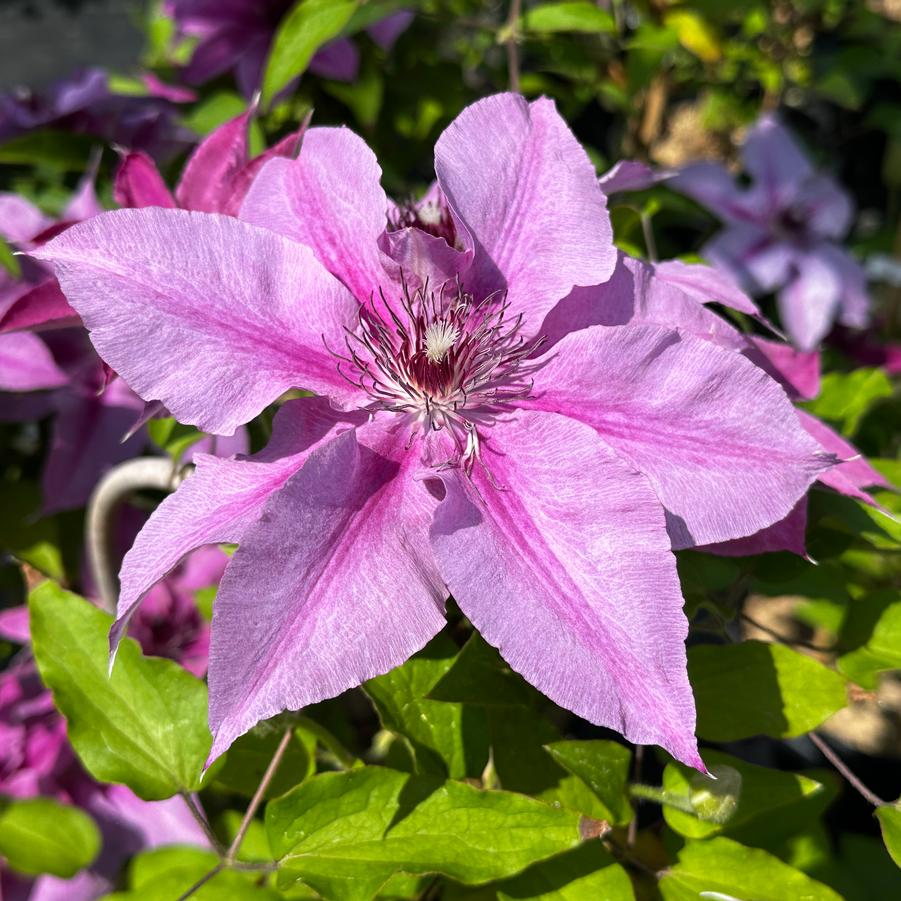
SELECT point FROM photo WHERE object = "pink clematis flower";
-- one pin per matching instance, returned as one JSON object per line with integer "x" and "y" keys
{"x": 447, "y": 451}
{"x": 677, "y": 295}
{"x": 782, "y": 233}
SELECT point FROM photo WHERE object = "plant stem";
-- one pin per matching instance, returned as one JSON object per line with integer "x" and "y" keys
{"x": 202, "y": 822}
{"x": 647, "y": 229}
{"x": 257, "y": 799}
{"x": 120, "y": 482}
{"x": 636, "y": 775}
{"x": 511, "y": 32}
{"x": 201, "y": 882}
{"x": 843, "y": 769}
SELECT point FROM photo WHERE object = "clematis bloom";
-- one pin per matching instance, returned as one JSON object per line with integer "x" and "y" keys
{"x": 446, "y": 451}
{"x": 782, "y": 233}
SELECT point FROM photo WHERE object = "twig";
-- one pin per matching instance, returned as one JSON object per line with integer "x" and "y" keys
{"x": 201, "y": 882}
{"x": 204, "y": 825}
{"x": 113, "y": 488}
{"x": 843, "y": 769}
{"x": 636, "y": 775}
{"x": 257, "y": 799}
{"x": 511, "y": 34}
{"x": 647, "y": 230}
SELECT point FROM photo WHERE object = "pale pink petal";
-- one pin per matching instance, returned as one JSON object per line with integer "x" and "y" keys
{"x": 214, "y": 317}
{"x": 330, "y": 199}
{"x": 421, "y": 258}
{"x": 809, "y": 303}
{"x": 854, "y": 298}
{"x": 221, "y": 499}
{"x": 20, "y": 219}
{"x": 752, "y": 256}
{"x": 334, "y": 585}
{"x": 716, "y": 436}
{"x": 824, "y": 207}
{"x": 84, "y": 203}
{"x": 518, "y": 180}
{"x": 853, "y": 475}
{"x": 775, "y": 162}
{"x": 632, "y": 175}
{"x": 712, "y": 186}
{"x": 788, "y": 534}
{"x": 26, "y": 364}
{"x": 567, "y": 570}
{"x": 138, "y": 183}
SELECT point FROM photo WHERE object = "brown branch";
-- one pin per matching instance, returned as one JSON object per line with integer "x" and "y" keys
{"x": 843, "y": 769}
{"x": 201, "y": 882}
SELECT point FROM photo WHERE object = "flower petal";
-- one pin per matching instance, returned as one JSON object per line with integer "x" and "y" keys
{"x": 138, "y": 183}
{"x": 775, "y": 162}
{"x": 330, "y": 199}
{"x": 797, "y": 371}
{"x": 568, "y": 572}
{"x": 808, "y": 304}
{"x": 334, "y": 584}
{"x": 212, "y": 316}
{"x": 788, "y": 534}
{"x": 42, "y": 306}
{"x": 20, "y": 220}
{"x": 853, "y": 475}
{"x": 26, "y": 364}
{"x": 87, "y": 441}
{"x": 206, "y": 181}
{"x": 221, "y": 499}
{"x": 527, "y": 193}
{"x": 716, "y": 436}
{"x": 712, "y": 186}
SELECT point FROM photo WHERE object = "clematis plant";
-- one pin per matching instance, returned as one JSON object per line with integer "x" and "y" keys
{"x": 782, "y": 233}
{"x": 448, "y": 449}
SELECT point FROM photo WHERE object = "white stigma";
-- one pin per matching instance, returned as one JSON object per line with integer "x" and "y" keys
{"x": 429, "y": 214}
{"x": 439, "y": 339}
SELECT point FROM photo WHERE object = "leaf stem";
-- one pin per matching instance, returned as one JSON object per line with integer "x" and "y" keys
{"x": 510, "y": 34}
{"x": 196, "y": 812}
{"x": 845, "y": 771}
{"x": 201, "y": 882}
{"x": 257, "y": 799}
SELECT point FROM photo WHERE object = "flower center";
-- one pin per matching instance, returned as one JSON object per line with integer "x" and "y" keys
{"x": 432, "y": 217}
{"x": 445, "y": 363}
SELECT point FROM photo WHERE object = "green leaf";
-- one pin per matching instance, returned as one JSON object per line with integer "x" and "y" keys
{"x": 764, "y": 795}
{"x": 587, "y": 873}
{"x": 164, "y": 874}
{"x": 755, "y": 688}
{"x": 144, "y": 726}
{"x": 40, "y": 835}
{"x": 8, "y": 261}
{"x": 720, "y": 865}
{"x": 173, "y": 437}
{"x": 57, "y": 150}
{"x": 34, "y": 540}
{"x": 345, "y": 834}
{"x": 604, "y": 767}
{"x": 447, "y": 739}
{"x": 845, "y": 398}
{"x": 889, "y": 818}
{"x": 694, "y": 34}
{"x": 571, "y": 15}
{"x": 873, "y": 629}
{"x": 251, "y": 754}
{"x": 309, "y": 25}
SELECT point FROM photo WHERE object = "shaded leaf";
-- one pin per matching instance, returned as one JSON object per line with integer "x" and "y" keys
{"x": 890, "y": 821}
{"x": 604, "y": 767}
{"x": 755, "y": 688}
{"x": 574, "y": 16}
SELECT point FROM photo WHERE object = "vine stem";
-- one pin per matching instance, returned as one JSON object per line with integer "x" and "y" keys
{"x": 201, "y": 882}
{"x": 511, "y": 33}
{"x": 118, "y": 484}
{"x": 257, "y": 799}
{"x": 204, "y": 825}
{"x": 844, "y": 770}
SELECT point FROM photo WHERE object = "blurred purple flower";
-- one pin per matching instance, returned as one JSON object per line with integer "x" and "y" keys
{"x": 85, "y": 104}
{"x": 782, "y": 233}
{"x": 449, "y": 453}
{"x": 236, "y": 35}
